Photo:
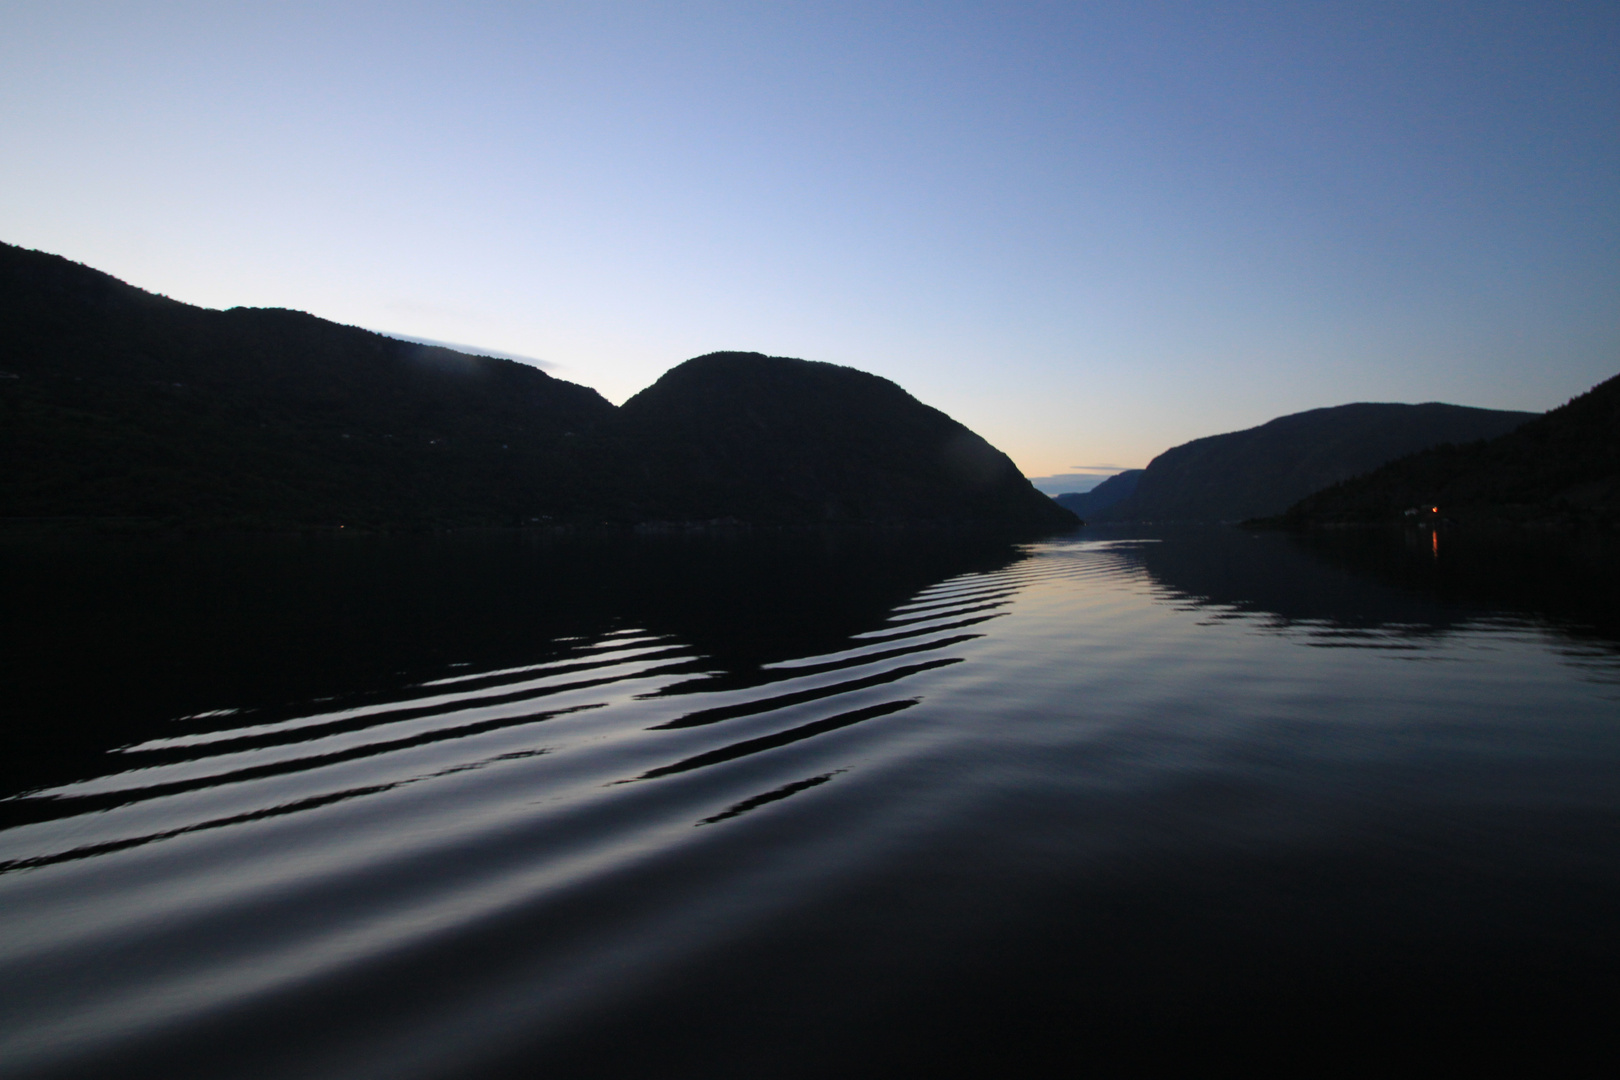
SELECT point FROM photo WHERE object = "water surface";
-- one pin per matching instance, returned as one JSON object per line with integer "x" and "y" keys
{"x": 503, "y": 806}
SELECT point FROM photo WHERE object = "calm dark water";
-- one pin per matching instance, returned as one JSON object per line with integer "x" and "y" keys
{"x": 499, "y": 806}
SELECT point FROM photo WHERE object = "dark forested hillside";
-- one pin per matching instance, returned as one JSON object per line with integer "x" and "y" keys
{"x": 778, "y": 439}
{"x": 122, "y": 403}
{"x": 1560, "y": 468}
{"x": 116, "y": 403}
{"x": 1263, "y": 470}
{"x": 1115, "y": 489}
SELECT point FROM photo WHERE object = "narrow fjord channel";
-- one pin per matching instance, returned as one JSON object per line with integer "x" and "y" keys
{"x": 778, "y": 806}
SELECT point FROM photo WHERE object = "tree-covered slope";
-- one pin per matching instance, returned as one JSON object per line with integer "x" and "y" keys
{"x": 122, "y": 403}
{"x": 774, "y": 439}
{"x": 1561, "y": 468}
{"x": 1263, "y": 470}
{"x": 1112, "y": 491}
{"x": 116, "y": 403}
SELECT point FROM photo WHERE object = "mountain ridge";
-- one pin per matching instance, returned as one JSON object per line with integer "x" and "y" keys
{"x": 1089, "y": 504}
{"x": 1560, "y": 468}
{"x": 121, "y": 403}
{"x": 852, "y": 446}
{"x": 1261, "y": 471}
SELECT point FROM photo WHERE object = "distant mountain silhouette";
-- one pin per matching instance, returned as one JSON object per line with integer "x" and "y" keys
{"x": 1263, "y": 470}
{"x": 1089, "y": 504}
{"x": 1561, "y": 468}
{"x": 116, "y": 403}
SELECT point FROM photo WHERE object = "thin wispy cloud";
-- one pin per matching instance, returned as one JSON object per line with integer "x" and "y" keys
{"x": 472, "y": 350}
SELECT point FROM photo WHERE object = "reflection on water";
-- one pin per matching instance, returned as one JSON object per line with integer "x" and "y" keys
{"x": 116, "y": 644}
{"x": 493, "y": 806}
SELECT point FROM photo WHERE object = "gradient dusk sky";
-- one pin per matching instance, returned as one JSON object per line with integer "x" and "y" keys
{"x": 1089, "y": 231}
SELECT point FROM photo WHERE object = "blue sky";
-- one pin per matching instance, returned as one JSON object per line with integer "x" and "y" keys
{"x": 1090, "y": 231}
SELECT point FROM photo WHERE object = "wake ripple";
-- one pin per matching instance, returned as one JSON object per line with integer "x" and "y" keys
{"x": 590, "y": 710}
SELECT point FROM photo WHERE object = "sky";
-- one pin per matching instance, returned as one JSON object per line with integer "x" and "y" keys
{"x": 1089, "y": 231}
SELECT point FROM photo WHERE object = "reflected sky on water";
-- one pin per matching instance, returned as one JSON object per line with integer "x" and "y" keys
{"x": 733, "y": 805}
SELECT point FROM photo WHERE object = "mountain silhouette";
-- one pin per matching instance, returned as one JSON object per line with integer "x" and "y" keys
{"x": 781, "y": 440}
{"x": 1263, "y": 470}
{"x": 1089, "y": 504}
{"x": 1560, "y": 468}
{"x": 117, "y": 403}
{"x": 128, "y": 404}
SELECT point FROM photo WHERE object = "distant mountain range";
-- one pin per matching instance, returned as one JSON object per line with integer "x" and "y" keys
{"x": 1561, "y": 468}
{"x": 116, "y": 403}
{"x": 1263, "y": 470}
{"x": 1092, "y": 504}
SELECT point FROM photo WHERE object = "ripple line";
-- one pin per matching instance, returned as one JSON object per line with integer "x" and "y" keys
{"x": 781, "y": 701}
{"x": 772, "y": 673}
{"x": 52, "y": 807}
{"x": 771, "y": 796}
{"x": 781, "y": 738}
{"x": 412, "y": 707}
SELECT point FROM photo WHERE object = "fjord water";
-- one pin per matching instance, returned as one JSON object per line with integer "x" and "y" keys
{"x": 489, "y": 806}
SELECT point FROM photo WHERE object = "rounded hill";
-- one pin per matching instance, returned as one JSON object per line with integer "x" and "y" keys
{"x": 773, "y": 440}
